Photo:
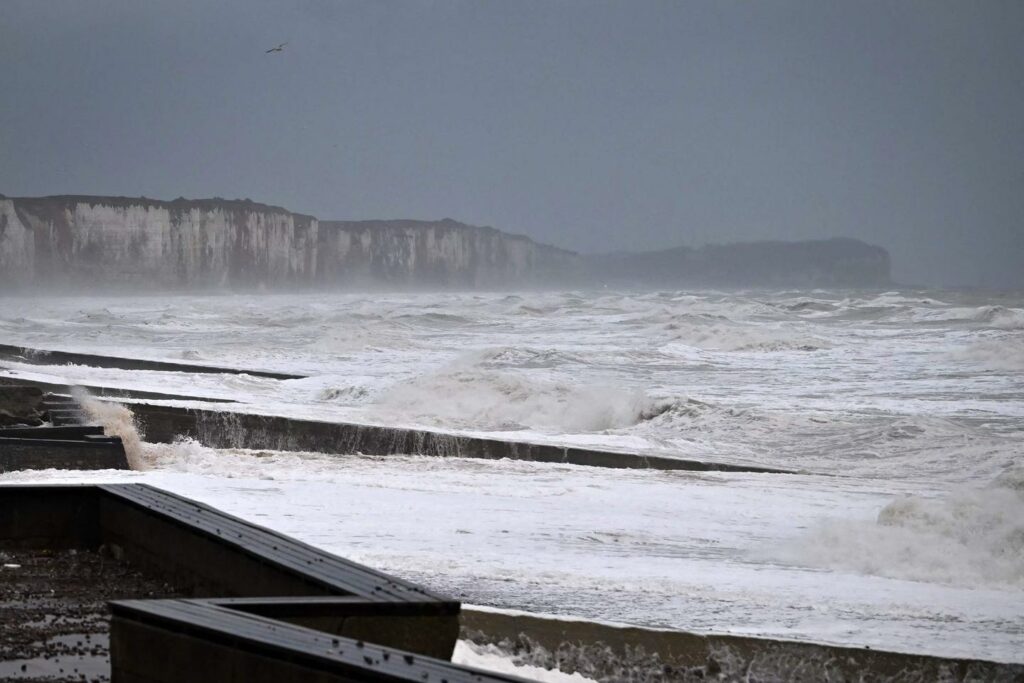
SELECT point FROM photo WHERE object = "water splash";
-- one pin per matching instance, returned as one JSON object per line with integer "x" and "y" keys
{"x": 117, "y": 420}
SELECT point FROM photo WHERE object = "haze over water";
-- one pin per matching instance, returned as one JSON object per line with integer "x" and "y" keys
{"x": 593, "y": 126}
{"x": 903, "y": 411}
{"x": 597, "y": 127}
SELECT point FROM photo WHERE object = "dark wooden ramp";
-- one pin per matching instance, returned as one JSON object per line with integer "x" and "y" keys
{"x": 209, "y": 642}
{"x": 257, "y": 605}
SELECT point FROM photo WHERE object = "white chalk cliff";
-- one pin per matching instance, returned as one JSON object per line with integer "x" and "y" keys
{"x": 72, "y": 241}
{"x": 76, "y": 242}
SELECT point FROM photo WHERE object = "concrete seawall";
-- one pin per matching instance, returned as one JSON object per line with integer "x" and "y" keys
{"x": 109, "y": 392}
{"x": 44, "y": 431}
{"x": 613, "y": 652}
{"x": 32, "y": 356}
{"x": 225, "y": 429}
{"x": 232, "y": 429}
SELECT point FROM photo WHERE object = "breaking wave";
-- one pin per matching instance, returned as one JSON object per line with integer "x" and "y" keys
{"x": 731, "y": 337}
{"x": 969, "y": 537}
{"x": 432, "y": 319}
{"x": 996, "y": 317}
{"x": 811, "y": 306}
{"x": 525, "y": 357}
{"x": 1001, "y": 317}
{"x": 690, "y": 415}
{"x": 994, "y": 354}
{"x": 469, "y": 395}
{"x": 343, "y": 394}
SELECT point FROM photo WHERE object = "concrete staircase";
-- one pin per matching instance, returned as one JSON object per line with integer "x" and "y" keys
{"x": 64, "y": 440}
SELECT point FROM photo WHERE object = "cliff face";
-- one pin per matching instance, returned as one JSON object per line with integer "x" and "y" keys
{"x": 434, "y": 253}
{"x": 17, "y": 247}
{"x": 73, "y": 240}
{"x": 813, "y": 263}
{"x": 76, "y": 241}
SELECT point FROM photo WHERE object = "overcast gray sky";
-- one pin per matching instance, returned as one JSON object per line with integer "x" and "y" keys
{"x": 597, "y": 126}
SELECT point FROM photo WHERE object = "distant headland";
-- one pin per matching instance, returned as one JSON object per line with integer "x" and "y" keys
{"x": 71, "y": 242}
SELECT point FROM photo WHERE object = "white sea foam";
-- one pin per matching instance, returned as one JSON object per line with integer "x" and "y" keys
{"x": 689, "y": 414}
{"x": 1004, "y": 353}
{"x": 493, "y": 658}
{"x": 991, "y": 316}
{"x": 643, "y": 547}
{"x": 187, "y": 455}
{"x": 968, "y": 537}
{"x": 732, "y": 337}
{"x": 905, "y": 396}
{"x": 527, "y": 357}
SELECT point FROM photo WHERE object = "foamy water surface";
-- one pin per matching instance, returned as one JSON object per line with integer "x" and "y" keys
{"x": 904, "y": 411}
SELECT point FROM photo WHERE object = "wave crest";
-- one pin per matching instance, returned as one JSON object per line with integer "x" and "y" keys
{"x": 728, "y": 337}
{"x": 970, "y": 537}
{"x": 1005, "y": 353}
{"x": 475, "y": 397}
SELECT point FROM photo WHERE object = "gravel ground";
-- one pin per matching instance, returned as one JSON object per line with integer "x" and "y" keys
{"x": 54, "y": 621}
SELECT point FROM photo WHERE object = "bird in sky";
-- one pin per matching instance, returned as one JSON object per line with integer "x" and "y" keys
{"x": 279, "y": 48}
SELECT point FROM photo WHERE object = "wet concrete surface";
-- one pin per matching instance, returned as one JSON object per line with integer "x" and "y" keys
{"x": 54, "y": 620}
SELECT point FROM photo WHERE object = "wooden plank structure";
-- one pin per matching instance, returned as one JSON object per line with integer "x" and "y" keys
{"x": 263, "y": 606}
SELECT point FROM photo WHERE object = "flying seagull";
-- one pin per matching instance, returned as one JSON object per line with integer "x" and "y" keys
{"x": 279, "y": 48}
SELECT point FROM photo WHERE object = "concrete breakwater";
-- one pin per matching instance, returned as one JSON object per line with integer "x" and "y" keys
{"x": 109, "y": 392}
{"x": 608, "y": 652}
{"x": 229, "y": 429}
{"x": 235, "y": 429}
{"x": 24, "y": 354}
{"x": 43, "y": 431}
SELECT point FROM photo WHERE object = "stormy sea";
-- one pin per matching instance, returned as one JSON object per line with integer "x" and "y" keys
{"x": 902, "y": 413}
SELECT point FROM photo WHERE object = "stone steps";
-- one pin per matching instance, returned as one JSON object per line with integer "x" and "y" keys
{"x": 67, "y": 441}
